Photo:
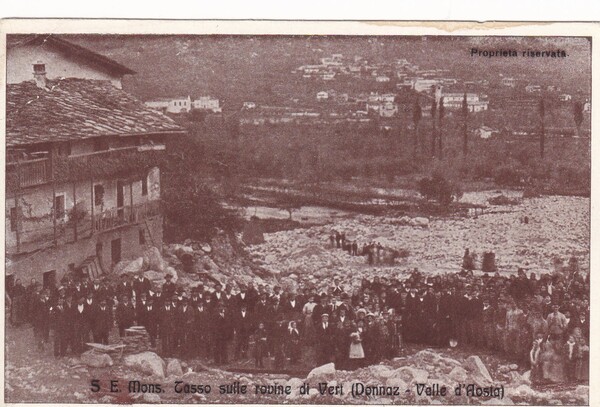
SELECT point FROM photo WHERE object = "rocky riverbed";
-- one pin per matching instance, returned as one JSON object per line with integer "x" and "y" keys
{"x": 556, "y": 229}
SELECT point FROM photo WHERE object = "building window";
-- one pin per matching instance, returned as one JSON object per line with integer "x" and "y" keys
{"x": 145, "y": 186}
{"x": 59, "y": 206}
{"x": 98, "y": 194}
{"x": 142, "y": 237}
{"x": 13, "y": 219}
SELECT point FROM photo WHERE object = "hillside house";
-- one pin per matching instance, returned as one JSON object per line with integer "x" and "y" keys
{"x": 454, "y": 101}
{"x": 249, "y": 105}
{"x": 565, "y": 97}
{"x": 533, "y": 88}
{"x": 321, "y": 96}
{"x": 207, "y": 103}
{"x": 83, "y": 181}
{"x": 58, "y": 58}
{"x": 176, "y": 105}
{"x": 509, "y": 82}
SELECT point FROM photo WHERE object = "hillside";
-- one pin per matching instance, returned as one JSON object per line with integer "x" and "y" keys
{"x": 238, "y": 68}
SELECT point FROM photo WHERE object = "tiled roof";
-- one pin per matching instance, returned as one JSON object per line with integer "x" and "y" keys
{"x": 17, "y": 40}
{"x": 71, "y": 109}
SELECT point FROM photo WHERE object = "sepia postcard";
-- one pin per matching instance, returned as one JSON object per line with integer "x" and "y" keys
{"x": 294, "y": 212}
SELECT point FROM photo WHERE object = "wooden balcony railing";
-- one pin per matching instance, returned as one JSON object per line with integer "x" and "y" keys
{"x": 117, "y": 217}
{"x": 30, "y": 173}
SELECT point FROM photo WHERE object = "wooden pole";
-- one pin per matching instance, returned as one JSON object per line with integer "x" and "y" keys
{"x": 75, "y": 211}
{"x": 92, "y": 204}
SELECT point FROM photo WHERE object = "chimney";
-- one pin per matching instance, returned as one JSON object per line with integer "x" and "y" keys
{"x": 39, "y": 74}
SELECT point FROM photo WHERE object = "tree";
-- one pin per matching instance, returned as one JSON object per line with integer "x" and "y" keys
{"x": 542, "y": 112}
{"x": 433, "y": 135}
{"x": 578, "y": 115}
{"x": 416, "y": 116}
{"x": 441, "y": 112}
{"x": 439, "y": 189}
{"x": 465, "y": 113}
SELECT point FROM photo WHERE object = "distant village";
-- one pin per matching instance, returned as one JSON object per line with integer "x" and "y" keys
{"x": 393, "y": 88}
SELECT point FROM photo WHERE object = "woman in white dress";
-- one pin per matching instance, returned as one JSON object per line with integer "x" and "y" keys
{"x": 357, "y": 353}
{"x": 309, "y": 329}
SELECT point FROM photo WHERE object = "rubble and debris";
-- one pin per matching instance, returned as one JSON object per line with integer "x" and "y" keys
{"x": 95, "y": 359}
{"x": 146, "y": 362}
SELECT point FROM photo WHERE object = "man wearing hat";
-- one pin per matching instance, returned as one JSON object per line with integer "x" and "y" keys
{"x": 102, "y": 322}
{"x": 323, "y": 307}
{"x": 125, "y": 315}
{"x": 243, "y": 327}
{"x": 166, "y": 326}
{"x": 184, "y": 318}
{"x": 141, "y": 284}
{"x": 218, "y": 295}
{"x": 324, "y": 333}
{"x": 125, "y": 287}
{"x": 168, "y": 287}
{"x": 61, "y": 320}
{"x": 223, "y": 333}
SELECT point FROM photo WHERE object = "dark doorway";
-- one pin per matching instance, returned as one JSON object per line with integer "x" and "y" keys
{"x": 49, "y": 280}
{"x": 115, "y": 251}
{"x": 120, "y": 200}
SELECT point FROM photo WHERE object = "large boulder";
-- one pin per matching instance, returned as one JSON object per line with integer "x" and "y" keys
{"x": 322, "y": 371}
{"x": 146, "y": 362}
{"x": 174, "y": 368}
{"x": 95, "y": 359}
{"x": 410, "y": 374}
{"x": 459, "y": 375}
{"x": 134, "y": 267}
{"x": 478, "y": 371}
{"x": 153, "y": 259}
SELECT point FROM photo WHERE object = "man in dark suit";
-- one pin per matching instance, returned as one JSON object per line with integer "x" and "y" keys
{"x": 168, "y": 288}
{"x": 292, "y": 308}
{"x": 141, "y": 284}
{"x": 325, "y": 333}
{"x": 243, "y": 326}
{"x": 201, "y": 334}
{"x": 147, "y": 316}
{"x": 243, "y": 299}
{"x": 125, "y": 315}
{"x": 322, "y": 308}
{"x": 79, "y": 326}
{"x": 184, "y": 319}
{"x": 166, "y": 326}
{"x": 218, "y": 295}
{"x": 223, "y": 333}
{"x": 102, "y": 322}
{"x": 61, "y": 319}
{"x": 124, "y": 287}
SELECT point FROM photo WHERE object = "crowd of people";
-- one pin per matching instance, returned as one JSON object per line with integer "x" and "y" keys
{"x": 540, "y": 321}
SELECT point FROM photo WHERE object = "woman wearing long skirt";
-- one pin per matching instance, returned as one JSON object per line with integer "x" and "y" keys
{"x": 356, "y": 353}
{"x": 309, "y": 328}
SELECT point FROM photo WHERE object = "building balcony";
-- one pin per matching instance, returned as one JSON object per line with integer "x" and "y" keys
{"x": 36, "y": 235}
{"x": 117, "y": 162}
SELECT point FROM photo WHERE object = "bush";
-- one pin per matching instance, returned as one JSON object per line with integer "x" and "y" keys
{"x": 439, "y": 189}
